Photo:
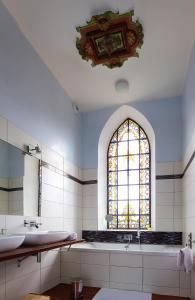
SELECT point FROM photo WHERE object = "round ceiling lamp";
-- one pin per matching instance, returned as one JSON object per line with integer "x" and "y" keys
{"x": 122, "y": 86}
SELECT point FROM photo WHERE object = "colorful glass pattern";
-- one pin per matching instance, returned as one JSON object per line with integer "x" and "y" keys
{"x": 129, "y": 178}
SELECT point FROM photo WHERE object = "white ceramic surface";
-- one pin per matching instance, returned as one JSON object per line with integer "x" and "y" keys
{"x": 44, "y": 237}
{"x": 10, "y": 242}
{"x": 133, "y": 248}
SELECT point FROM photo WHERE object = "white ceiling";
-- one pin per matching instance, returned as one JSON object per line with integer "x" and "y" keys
{"x": 169, "y": 27}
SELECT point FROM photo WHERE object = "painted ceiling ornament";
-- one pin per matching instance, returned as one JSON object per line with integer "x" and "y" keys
{"x": 110, "y": 39}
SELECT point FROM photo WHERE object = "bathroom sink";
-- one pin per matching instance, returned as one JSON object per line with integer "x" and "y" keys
{"x": 10, "y": 242}
{"x": 44, "y": 237}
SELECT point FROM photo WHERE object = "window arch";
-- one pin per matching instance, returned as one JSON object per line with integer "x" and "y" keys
{"x": 129, "y": 177}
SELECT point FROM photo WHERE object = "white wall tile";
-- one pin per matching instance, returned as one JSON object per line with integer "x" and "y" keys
{"x": 125, "y": 286}
{"x": 126, "y": 260}
{"x": 166, "y": 278}
{"x": 29, "y": 265}
{"x": 70, "y": 269}
{"x": 94, "y": 272}
{"x": 96, "y": 258}
{"x": 160, "y": 262}
{"x": 126, "y": 275}
{"x": 3, "y": 129}
{"x": 161, "y": 290}
{"x": 165, "y": 185}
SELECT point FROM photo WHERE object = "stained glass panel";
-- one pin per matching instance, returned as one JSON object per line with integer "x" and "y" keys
{"x": 122, "y": 192}
{"x": 134, "y": 177}
{"x": 112, "y": 164}
{"x": 134, "y": 147}
{"x": 144, "y": 146}
{"x": 122, "y": 148}
{"x": 122, "y": 207}
{"x": 112, "y": 149}
{"x": 123, "y": 163}
{"x": 122, "y": 177}
{"x": 133, "y": 222}
{"x": 133, "y": 131}
{"x": 144, "y": 176}
{"x": 112, "y": 178}
{"x": 134, "y": 162}
{"x": 123, "y": 132}
{"x": 112, "y": 207}
{"x": 112, "y": 193}
{"x": 122, "y": 221}
{"x": 129, "y": 178}
{"x": 134, "y": 207}
{"x": 133, "y": 192}
{"x": 144, "y": 207}
{"x": 144, "y": 161}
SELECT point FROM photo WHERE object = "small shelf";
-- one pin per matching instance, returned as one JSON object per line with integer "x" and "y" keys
{"x": 32, "y": 250}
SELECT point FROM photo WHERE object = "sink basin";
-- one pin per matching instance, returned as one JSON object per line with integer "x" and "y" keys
{"x": 44, "y": 237}
{"x": 10, "y": 242}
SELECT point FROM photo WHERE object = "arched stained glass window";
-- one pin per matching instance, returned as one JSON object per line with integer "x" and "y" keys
{"x": 129, "y": 178}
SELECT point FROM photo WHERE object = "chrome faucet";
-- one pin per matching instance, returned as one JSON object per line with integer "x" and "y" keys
{"x": 138, "y": 236}
{"x": 129, "y": 238}
{"x": 31, "y": 224}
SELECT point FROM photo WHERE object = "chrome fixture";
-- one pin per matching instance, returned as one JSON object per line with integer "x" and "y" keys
{"x": 129, "y": 238}
{"x": 30, "y": 149}
{"x": 189, "y": 240}
{"x": 138, "y": 236}
{"x": 3, "y": 231}
{"x": 31, "y": 224}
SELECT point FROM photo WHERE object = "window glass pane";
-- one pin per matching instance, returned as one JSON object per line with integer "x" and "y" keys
{"x": 144, "y": 146}
{"x": 112, "y": 164}
{"x": 114, "y": 138}
{"x": 112, "y": 178}
{"x": 133, "y": 222}
{"x": 144, "y": 176}
{"x": 145, "y": 222}
{"x": 133, "y": 177}
{"x": 122, "y": 207}
{"x": 112, "y": 207}
{"x": 144, "y": 192}
{"x": 122, "y": 148}
{"x": 133, "y": 130}
{"x": 122, "y": 193}
{"x": 144, "y": 207}
{"x": 122, "y": 221}
{"x": 134, "y": 192}
{"x": 123, "y": 163}
{"x": 122, "y": 177}
{"x": 112, "y": 149}
{"x": 113, "y": 224}
{"x": 142, "y": 134}
{"x": 123, "y": 132}
{"x": 134, "y": 207}
{"x": 144, "y": 161}
{"x": 134, "y": 162}
{"x": 134, "y": 147}
{"x": 112, "y": 193}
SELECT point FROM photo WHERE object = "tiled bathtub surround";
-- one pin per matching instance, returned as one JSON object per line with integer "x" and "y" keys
{"x": 154, "y": 273}
{"x": 160, "y": 238}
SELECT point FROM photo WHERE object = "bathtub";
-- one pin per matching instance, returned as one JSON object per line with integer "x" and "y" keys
{"x": 133, "y": 248}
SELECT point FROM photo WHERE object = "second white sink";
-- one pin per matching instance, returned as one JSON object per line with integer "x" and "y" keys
{"x": 44, "y": 237}
{"x": 10, "y": 242}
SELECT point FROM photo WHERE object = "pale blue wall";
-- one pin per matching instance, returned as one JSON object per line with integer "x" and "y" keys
{"x": 189, "y": 103}
{"x": 31, "y": 97}
{"x": 164, "y": 116}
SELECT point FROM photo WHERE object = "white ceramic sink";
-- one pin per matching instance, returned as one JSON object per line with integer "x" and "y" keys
{"x": 10, "y": 242}
{"x": 44, "y": 237}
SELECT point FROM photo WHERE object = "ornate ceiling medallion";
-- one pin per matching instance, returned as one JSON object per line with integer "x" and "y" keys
{"x": 110, "y": 39}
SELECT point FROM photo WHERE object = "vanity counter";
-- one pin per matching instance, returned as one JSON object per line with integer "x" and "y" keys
{"x": 32, "y": 250}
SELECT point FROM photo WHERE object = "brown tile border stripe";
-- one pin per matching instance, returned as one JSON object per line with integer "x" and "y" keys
{"x": 11, "y": 189}
{"x": 87, "y": 182}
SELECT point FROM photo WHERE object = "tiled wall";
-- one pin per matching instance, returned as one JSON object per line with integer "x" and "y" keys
{"x": 149, "y": 273}
{"x": 61, "y": 210}
{"x": 168, "y": 199}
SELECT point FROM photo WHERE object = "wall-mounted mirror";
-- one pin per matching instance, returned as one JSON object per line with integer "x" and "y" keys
{"x": 19, "y": 182}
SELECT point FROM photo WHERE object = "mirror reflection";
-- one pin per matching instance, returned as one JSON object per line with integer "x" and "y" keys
{"x": 19, "y": 181}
